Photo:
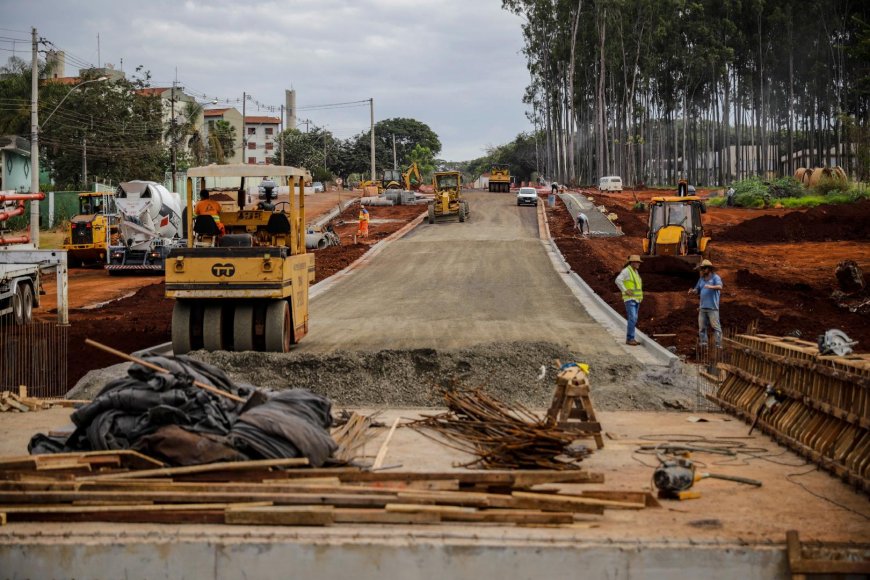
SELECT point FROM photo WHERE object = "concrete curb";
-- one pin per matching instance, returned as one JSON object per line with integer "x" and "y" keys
{"x": 600, "y": 310}
{"x": 333, "y": 213}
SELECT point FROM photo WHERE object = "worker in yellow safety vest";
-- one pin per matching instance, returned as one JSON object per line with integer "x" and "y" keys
{"x": 631, "y": 286}
{"x": 363, "y": 229}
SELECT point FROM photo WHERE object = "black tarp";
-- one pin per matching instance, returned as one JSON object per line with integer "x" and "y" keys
{"x": 166, "y": 416}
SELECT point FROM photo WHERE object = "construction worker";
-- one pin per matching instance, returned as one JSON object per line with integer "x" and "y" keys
{"x": 583, "y": 223}
{"x": 555, "y": 187}
{"x": 206, "y": 206}
{"x": 363, "y": 229}
{"x": 709, "y": 287}
{"x": 631, "y": 286}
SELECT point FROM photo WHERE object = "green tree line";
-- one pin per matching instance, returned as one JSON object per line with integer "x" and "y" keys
{"x": 710, "y": 90}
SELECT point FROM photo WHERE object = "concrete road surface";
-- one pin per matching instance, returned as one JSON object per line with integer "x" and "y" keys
{"x": 457, "y": 285}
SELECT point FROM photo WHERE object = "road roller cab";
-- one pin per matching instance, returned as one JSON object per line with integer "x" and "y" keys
{"x": 246, "y": 287}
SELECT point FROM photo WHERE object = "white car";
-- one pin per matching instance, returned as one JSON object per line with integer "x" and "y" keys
{"x": 318, "y": 187}
{"x": 610, "y": 183}
{"x": 527, "y": 196}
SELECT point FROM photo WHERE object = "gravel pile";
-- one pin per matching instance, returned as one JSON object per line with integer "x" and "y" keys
{"x": 414, "y": 378}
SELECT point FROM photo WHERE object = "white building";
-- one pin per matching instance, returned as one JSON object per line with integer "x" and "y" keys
{"x": 261, "y": 139}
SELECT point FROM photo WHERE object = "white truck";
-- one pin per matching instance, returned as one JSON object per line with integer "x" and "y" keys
{"x": 149, "y": 227}
{"x": 22, "y": 265}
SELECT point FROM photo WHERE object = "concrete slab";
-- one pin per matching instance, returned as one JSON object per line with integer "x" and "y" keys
{"x": 732, "y": 531}
{"x": 599, "y": 225}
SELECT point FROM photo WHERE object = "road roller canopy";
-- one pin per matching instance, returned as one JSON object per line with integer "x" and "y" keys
{"x": 247, "y": 170}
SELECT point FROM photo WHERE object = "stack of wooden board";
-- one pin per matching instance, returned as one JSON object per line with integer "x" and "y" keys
{"x": 20, "y": 402}
{"x": 128, "y": 487}
{"x": 817, "y": 405}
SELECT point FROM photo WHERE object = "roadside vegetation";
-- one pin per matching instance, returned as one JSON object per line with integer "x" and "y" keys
{"x": 788, "y": 192}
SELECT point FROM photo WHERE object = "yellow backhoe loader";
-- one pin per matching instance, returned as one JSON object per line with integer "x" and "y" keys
{"x": 413, "y": 172}
{"x": 242, "y": 281}
{"x": 448, "y": 197}
{"x": 91, "y": 231}
{"x": 675, "y": 240}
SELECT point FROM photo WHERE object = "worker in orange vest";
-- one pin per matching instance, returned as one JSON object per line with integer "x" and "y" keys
{"x": 363, "y": 229}
{"x": 207, "y": 206}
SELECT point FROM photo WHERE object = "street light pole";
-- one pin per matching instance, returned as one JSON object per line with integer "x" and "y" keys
{"x": 174, "y": 137}
{"x": 372, "y": 112}
{"x": 34, "y": 139}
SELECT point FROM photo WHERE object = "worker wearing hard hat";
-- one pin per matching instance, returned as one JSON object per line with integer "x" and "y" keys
{"x": 206, "y": 206}
{"x": 631, "y": 286}
{"x": 709, "y": 287}
{"x": 363, "y": 229}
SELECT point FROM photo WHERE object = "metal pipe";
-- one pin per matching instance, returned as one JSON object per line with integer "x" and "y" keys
{"x": 25, "y": 239}
{"x": 19, "y": 209}
{"x": 21, "y": 196}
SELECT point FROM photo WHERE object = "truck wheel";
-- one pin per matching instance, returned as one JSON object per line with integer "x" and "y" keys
{"x": 431, "y": 214}
{"x": 27, "y": 303}
{"x": 18, "y": 306}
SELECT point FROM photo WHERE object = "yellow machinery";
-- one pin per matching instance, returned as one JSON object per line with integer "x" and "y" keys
{"x": 392, "y": 179}
{"x": 676, "y": 232}
{"x": 246, "y": 289}
{"x": 413, "y": 172}
{"x": 500, "y": 178}
{"x": 448, "y": 197}
{"x": 90, "y": 232}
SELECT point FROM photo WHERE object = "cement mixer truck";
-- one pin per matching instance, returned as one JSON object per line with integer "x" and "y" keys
{"x": 149, "y": 227}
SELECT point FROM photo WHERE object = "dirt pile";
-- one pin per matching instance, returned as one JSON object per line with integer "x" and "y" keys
{"x": 414, "y": 378}
{"x": 130, "y": 324}
{"x": 827, "y": 222}
{"x": 782, "y": 303}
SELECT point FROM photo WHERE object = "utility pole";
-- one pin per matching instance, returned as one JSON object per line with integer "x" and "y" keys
{"x": 372, "y": 111}
{"x": 281, "y": 135}
{"x": 85, "y": 163}
{"x": 395, "y": 165}
{"x": 324, "y": 150}
{"x": 34, "y": 139}
{"x": 244, "y": 130}
{"x": 172, "y": 130}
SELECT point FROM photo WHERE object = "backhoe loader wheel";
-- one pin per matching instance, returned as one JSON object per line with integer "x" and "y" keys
{"x": 278, "y": 326}
{"x": 243, "y": 328}
{"x": 431, "y": 214}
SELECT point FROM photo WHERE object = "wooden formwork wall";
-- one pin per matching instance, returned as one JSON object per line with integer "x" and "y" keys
{"x": 824, "y": 413}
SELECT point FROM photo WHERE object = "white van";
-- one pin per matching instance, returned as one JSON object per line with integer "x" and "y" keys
{"x": 611, "y": 183}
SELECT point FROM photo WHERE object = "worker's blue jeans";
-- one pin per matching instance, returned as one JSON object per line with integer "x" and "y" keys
{"x": 709, "y": 318}
{"x": 631, "y": 309}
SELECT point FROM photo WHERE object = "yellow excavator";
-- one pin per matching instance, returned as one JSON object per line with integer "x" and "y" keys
{"x": 242, "y": 281}
{"x": 448, "y": 197}
{"x": 413, "y": 173}
{"x": 91, "y": 231}
{"x": 675, "y": 240}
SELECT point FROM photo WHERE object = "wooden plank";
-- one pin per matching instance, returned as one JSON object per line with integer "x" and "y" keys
{"x": 209, "y": 467}
{"x": 278, "y": 498}
{"x": 375, "y": 516}
{"x": 440, "y": 509}
{"x": 2, "y": 518}
{"x": 382, "y": 452}
{"x": 93, "y": 509}
{"x": 532, "y": 496}
{"x": 280, "y": 516}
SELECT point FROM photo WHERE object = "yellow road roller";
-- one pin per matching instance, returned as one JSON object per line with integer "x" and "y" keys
{"x": 241, "y": 283}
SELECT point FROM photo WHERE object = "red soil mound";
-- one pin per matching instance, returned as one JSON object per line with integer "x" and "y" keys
{"x": 827, "y": 222}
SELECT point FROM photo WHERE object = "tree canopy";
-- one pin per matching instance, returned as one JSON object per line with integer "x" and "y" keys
{"x": 713, "y": 90}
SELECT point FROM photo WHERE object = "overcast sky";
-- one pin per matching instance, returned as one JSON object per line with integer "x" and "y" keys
{"x": 452, "y": 64}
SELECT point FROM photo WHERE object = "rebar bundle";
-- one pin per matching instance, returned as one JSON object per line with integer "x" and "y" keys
{"x": 502, "y": 436}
